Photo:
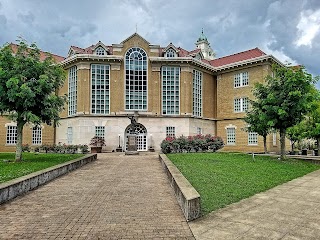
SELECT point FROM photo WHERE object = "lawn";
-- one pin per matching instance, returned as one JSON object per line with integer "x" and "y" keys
{"x": 31, "y": 163}
{"x": 225, "y": 178}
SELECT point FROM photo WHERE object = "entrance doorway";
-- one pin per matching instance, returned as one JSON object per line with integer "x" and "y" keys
{"x": 141, "y": 133}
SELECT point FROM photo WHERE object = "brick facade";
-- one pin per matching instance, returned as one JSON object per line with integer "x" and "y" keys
{"x": 218, "y": 94}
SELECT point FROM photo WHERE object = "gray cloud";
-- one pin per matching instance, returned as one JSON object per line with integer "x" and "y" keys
{"x": 230, "y": 25}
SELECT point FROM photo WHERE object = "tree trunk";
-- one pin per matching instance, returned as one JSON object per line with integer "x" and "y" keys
{"x": 20, "y": 125}
{"x": 318, "y": 145}
{"x": 283, "y": 143}
{"x": 265, "y": 143}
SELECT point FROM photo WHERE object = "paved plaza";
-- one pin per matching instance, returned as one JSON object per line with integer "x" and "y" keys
{"x": 115, "y": 197}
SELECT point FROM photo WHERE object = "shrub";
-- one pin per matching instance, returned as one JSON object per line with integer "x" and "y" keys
{"x": 204, "y": 143}
{"x": 97, "y": 141}
{"x": 62, "y": 148}
{"x": 25, "y": 148}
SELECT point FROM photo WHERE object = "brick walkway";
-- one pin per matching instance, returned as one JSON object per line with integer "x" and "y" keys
{"x": 116, "y": 197}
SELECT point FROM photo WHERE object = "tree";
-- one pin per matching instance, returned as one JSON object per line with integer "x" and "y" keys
{"x": 29, "y": 87}
{"x": 311, "y": 122}
{"x": 296, "y": 133}
{"x": 257, "y": 119}
{"x": 286, "y": 98}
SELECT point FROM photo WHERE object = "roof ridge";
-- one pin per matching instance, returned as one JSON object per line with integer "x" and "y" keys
{"x": 256, "y": 48}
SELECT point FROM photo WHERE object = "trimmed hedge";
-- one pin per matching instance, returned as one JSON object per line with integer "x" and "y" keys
{"x": 197, "y": 143}
{"x": 57, "y": 148}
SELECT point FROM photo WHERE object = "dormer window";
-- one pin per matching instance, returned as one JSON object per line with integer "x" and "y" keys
{"x": 170, "y": 53}
{"x": 100, "y": 51}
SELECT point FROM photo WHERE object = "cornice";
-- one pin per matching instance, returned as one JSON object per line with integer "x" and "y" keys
{"x": 91, "y": 57}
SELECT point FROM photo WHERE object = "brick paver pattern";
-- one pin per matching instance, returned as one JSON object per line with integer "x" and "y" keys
{"x": 115, "y": 197}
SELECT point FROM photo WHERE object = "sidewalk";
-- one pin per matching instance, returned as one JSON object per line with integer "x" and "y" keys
{"x": 289, "y": 211}
{"x": 115, "y": 197}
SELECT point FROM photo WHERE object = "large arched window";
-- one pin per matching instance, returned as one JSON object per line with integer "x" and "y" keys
{"x": 136, "y": 79}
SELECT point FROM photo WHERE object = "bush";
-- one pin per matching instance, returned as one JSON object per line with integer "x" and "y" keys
{"x": 203, "y": 143}
{"x": 25, "y": 148}
{"x": 62, "y": 148}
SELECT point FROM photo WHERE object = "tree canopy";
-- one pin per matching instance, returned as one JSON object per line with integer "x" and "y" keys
{"x": 284, "y": 99}
{"x": 29, "y": 87}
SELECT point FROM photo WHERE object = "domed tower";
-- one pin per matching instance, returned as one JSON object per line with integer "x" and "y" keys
{"x": 203, "y": 44}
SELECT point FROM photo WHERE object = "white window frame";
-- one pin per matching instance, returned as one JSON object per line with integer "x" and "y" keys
{"x": 199, "y": 130}
{"x": 136, "y": 77}
{"x": 241, "y": 104}
{"x": 72, "y": 91}
{"x": 69, "y": 135}
{"x": 100, "y": 89}
{"x": 100, "y": 131}
{"x": 197, "y": 93}
{"x": 170, "y": 90}
{"x": 170, "y": 53}
{"x": 241, "y": 79}
{"x": 11, "y": 136}
{"x": 231, "y": 135}
{"x": 37, "y": 135}
{"x": 274, "y": 138}
{"x": 100, "y": 51}
{"x": 170, "y": 131}
{"x": 252, "y": 138}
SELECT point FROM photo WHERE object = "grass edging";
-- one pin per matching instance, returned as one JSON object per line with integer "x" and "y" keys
{"x": 187, "y": 196}
{"x": 21, "y": 185}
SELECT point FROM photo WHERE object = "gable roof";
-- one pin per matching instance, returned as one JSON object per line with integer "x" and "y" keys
{"x": 237, "y": 57}
{"x": 133, "y": 35}
{"x": 43, "y": 55}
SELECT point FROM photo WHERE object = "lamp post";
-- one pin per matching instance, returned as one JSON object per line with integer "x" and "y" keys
{"x": 119, "y": 148}
{"x": 151, "y": 149}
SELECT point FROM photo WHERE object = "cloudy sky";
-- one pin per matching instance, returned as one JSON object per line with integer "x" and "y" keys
{"x": 287, "y": 29}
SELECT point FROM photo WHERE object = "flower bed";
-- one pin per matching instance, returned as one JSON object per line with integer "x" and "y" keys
{"x": 197, "y": 143}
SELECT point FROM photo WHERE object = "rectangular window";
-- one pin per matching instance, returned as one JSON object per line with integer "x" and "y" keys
{"x": 100, "y": 89}
{"x": 274, "y": 139}
{"x": 99, "y": 131}
{"x": 241, "y": 79}
{"x": 37, "y": 135}
{"x": 241, "y": 104}
{"x": 231, "y": 136}
{"x": 252, "y": 138}
{"x": 170, "y": 90}
{"x": 72, "y": 91}
{"x": 12, "y": 135}
{"x": 197, "y": 93}
{"x": 170, "y": 131}
{"x": 199, "y": 130}
{"x": 69, "y": 135}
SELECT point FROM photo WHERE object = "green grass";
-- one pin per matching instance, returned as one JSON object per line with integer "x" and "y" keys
{"x": 31, "y": 163}
{"x": 225, "y": 178}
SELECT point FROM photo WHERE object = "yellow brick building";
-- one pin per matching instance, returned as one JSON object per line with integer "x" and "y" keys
{"x": 170, "y": 91}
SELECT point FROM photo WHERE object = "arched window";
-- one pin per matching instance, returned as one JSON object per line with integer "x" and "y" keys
{"x": 170, "y": 53}
{"x": 100, "y": 51}
{"x": 136, "y": 79}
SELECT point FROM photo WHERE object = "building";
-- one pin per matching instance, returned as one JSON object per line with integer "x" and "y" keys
{"x": 170, "y": 91}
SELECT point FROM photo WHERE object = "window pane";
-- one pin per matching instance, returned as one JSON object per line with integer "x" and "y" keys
{"x": 72, "y": 91}
{"x": 100, "y": 89}
{"x": 136, "y": 79}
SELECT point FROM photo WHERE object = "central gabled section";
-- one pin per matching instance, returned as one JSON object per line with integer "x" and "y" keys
{"x": 136, "y": 67}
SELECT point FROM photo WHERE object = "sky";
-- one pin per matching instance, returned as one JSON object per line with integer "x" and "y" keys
{"x": 286, "y": 29}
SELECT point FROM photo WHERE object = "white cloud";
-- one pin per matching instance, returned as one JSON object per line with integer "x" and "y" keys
{"x": 308, "y": 28}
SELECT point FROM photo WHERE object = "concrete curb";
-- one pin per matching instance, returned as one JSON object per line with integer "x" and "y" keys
{"x": 22, "y": 185}
{"x": 187, "y": 197}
